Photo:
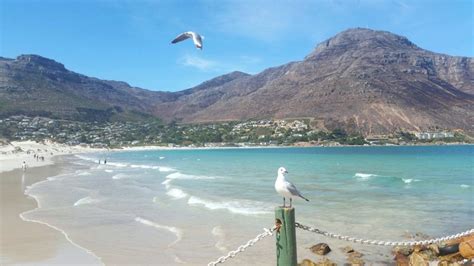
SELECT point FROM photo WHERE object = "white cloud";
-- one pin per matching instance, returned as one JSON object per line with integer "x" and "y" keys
{"x": 199, "y": 63}
{"x": 241, "y": 63}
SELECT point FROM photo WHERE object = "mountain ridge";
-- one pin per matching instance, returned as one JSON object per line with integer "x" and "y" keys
{"x": 366, "y": 81}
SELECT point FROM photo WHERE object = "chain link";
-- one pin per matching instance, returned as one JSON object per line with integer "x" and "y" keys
{"x": 268, "y": 232}
{"x": 241, "y": 248}
{"x": 382, "y": 243}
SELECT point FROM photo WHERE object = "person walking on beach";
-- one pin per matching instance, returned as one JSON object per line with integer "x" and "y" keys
{"x": 23, "y": 166}
{"x": 105, "y": 161}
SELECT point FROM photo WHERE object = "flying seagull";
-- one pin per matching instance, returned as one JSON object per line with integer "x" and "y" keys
{"x": 286, "y": 188}
{"x": 197, "y": 39}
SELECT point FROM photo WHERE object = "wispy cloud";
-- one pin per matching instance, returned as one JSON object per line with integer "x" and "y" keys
{"x": 199, "y": 63}
{"x": 243, "y": 63}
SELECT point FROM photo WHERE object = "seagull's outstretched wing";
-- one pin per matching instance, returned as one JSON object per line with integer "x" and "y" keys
{"x": 197, "y": 40}
{"x": 183, "y": 36}
{"x": 294, "y": 191}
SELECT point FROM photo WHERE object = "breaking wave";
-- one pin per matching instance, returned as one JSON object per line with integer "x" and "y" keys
{"x": 166, "y": 183}
{"x": 244, "y": 207}
{"x": 364, "y": 177}
{"x": 166, "y": 169}
{"x": 176, "y": 193}
{"x": 367, "y": 177}
{"x": 179, "y": 175}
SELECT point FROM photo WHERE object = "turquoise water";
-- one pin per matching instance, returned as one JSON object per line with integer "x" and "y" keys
{"x": 198, "y": 198}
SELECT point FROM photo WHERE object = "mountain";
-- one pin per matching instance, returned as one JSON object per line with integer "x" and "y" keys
{"x": 373, "y": 82}
{"x": 361, "y": 80}
{"x": 34, "y": 85}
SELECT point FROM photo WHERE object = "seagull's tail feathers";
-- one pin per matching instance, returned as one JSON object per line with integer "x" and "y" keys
{"x": 304, "y": 198}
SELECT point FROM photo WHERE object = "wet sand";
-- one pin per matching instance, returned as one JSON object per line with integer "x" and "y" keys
{"x": 23, "y": 243}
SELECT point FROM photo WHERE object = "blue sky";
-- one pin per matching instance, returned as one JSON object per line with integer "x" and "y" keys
{"x": 130, "y": 40}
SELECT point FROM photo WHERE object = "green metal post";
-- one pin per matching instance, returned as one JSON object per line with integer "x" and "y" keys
{"x": 286, "y": 237}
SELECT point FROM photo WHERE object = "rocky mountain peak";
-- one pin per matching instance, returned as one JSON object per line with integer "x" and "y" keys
{"x": 360, "y": 39}
{"x": 39, "y": 61}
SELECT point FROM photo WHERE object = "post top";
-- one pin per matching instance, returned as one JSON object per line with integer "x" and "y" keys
{"x": 284, "y": 208}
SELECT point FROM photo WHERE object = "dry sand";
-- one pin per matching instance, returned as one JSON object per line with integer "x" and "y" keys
{"x": 13, "y": 154}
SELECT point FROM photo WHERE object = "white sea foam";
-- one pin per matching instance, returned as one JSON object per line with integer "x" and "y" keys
{"x": 176, "y": 193}
{"x": 219, "y": 233}
{"x": 166, "y": 183}
{"x": 109, "y": 171}
{"x": 144, "y": 166}
{"x": 121, "y": 176}
{"x": 465, "y": 186}
{"x": 166, "y": 169}
{"x": 409, "y": 180}
{"x": 176, "y": 231}
{"x": 84, "y": 173}
{"x": 179, "y": 175}
{"x": 86, "y": 200}
{"x": 364, "y": 177}
{"x": 141, "y": 166}
{"x": 239, "y": 207}
{"x": 162, "y": 157}
{"x": 120, "y": 165}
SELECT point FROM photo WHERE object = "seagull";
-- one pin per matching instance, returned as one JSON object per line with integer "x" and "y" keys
{"x": 197, "y": 39}
{"x": 286, "y": 188}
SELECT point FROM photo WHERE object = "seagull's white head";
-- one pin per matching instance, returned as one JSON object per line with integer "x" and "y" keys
{"x": 282, "y": 171}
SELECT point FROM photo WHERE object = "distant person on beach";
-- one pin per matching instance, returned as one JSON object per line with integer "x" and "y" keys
{"x": 23, "y": 166}
{"x": 105, "y": 161}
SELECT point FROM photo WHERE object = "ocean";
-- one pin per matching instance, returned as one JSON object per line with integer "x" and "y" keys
{"x": 174, "y": 207}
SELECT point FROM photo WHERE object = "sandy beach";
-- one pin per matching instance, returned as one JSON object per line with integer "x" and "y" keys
{"x": 13, "y": 154}
{"x": 25, "y": 242}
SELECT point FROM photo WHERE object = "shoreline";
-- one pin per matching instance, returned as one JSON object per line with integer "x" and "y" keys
{"x": 13, "y": 154}
{"x": 151, "y": 147}
{"x": 27, "y": 241}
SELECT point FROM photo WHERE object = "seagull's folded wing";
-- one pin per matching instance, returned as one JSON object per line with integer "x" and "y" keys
{"x": 181, "y": 37}
{"x": 292, "y": 189}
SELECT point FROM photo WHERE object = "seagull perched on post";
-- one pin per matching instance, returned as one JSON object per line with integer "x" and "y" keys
{"x": 197, "y": 39}
{"x": 286, "y": 188}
